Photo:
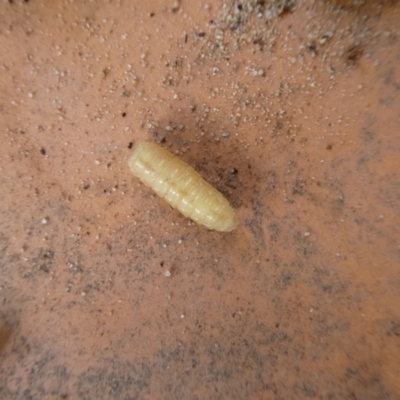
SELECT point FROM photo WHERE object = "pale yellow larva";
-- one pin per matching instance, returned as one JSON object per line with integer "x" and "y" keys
{"x": 182, "y": 187}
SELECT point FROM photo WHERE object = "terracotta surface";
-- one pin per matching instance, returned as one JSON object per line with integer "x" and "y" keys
{"x": 292, "y": 112}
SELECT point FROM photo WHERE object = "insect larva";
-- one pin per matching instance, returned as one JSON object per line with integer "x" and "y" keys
{"x": 182, "y": 187}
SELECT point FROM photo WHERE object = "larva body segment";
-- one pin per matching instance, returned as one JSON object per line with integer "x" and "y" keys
{"x": 182, "y": 187}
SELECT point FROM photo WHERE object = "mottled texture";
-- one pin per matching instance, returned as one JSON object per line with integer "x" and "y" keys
{"x": 182, "y": 187}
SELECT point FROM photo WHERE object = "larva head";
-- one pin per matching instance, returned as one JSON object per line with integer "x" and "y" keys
{"x": 231, "y": 224}
{"x": 224, "y": 220}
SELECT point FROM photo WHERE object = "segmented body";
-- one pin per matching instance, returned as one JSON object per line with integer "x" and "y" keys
{"x": 182, "y": 187}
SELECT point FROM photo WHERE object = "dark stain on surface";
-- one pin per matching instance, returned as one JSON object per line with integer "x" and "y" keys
{"x": 271, "y": 180}
{"x": 274, "y": 231}
{"x": 45, "y": 260}
{"x": 256, "y": 230}
{"x": 5, "y": 334}
{"x": 285, "y": 279}
{"x": 299, "y": 187}
{"x": 394, "y": 328}
{"x": 353, "y": 54}
{"x": 304, "y": 246}
{"x": 119, "y": 381}
{"x": 368, "y": 136}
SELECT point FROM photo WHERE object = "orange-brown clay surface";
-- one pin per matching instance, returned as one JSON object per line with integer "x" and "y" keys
{"x": 291, "y": 109}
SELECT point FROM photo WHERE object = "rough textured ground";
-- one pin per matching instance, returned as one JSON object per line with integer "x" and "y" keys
{"x": 291, "y": 109}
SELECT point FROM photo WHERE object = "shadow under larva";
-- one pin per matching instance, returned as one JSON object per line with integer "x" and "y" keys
{"x": 182, "y": 187}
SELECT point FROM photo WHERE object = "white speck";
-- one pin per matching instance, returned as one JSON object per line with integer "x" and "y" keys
{"x": 45, "y": 221}
{"x": 97, "y": 162}
{"x": 175, "y": 6}
{"x": 311, "y": 310}
{"x": 179, "y": 241}
{"x": 182, "y": 316}
{"x": 306, "y": 233}
{"x": 83, "y": 293}
{"x": 225, "y": 134}
{"x": 258, "y": 72}
{"x": 167, "y": 273}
